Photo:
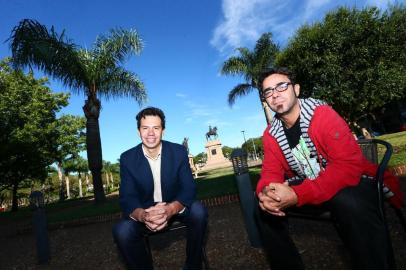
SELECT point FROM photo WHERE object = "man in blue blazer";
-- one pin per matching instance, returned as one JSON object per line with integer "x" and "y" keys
{"x": 156, "y": 188}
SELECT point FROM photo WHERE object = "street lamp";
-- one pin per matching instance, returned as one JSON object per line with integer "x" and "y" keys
{"x": 246, "y": 193}
{"x": 245, "y": 141}
{"x": 243, "y": 134}
{"x": 255, "y": 151}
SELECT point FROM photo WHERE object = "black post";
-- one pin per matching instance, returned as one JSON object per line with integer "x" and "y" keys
{"x": 247, "y": 197}
{"x": 39, "y": 221}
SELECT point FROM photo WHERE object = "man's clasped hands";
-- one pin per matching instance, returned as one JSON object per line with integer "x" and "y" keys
{"x": 156, "y": 217}
{"x": 276, "y": 197}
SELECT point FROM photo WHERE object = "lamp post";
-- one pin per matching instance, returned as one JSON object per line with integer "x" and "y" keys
{"x": 255, "y": 151}
{"x": 39, "y": 221}
{"x": 245, "y": 141}
{"x": 246, "y": 193}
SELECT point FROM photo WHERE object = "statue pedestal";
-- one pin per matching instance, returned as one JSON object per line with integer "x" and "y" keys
{"x": 215, "y": 156}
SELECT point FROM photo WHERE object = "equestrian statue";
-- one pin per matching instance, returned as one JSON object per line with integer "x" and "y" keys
{"x": 211, "y": 132}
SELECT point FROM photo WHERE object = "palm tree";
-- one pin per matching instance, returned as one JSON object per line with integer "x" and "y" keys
{"x": 250, "y": 65}
{"x": 80, "y": 166}
{"x": 97, "y": 72}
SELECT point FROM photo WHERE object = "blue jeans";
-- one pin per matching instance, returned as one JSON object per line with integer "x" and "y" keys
{"x": 129, "y": 237}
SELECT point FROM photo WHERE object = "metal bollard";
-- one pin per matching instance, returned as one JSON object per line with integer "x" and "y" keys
{"x": 247, "y": 197}
{"x": 39, "y": 222}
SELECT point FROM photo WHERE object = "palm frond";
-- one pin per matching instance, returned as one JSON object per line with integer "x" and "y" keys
{"x": 118, "y": 45}
{"x": 264, "y": 56}
{"x": 244, "y": 52}
{"x": 33, "y": 45}
{"x": 234, "y": 66}
{"x": 265, "y": 44}
{"x": 122, "y": 83}
{"x": 239, "y": 91}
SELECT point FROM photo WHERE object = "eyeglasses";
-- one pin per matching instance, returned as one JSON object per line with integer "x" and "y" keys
{"x": 280, "y": 87}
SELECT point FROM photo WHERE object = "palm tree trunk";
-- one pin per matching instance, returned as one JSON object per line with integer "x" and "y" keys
{"x": 93, "y": 144}
{"x": 112, "y": 180}
{"x": 61, "y": 186}
{"x": 80, "y": 185}
{"x": 267, "y": 110}
{"x": 67, "y": 186}
{"x": 268, "y": 113}
{"x": 107, "y": 181}
{"x": 87, "y": 182}
{"x": 14, "y": 202}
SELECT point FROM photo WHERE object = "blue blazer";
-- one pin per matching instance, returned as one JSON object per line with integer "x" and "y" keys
{"x": 137, "y": 185}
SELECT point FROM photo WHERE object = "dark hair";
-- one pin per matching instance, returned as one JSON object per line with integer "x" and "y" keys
{"x": 150, "y": 111}
{"x": 281, "y": 70}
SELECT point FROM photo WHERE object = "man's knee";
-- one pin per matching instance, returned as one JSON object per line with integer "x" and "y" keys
{"x": 198, "y": 212}
{"x": 355, "y": 201}
{"x": 124, "y": 230}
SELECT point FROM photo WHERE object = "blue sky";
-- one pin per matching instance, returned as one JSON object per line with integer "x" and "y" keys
{"x": 186, "y": 41}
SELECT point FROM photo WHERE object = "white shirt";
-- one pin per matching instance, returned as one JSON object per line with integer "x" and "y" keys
{"x": 155, "y": 164}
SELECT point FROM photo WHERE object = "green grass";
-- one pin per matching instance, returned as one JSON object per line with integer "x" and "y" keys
{"x": 67, "y": 210}
{"x": 398, "y": 141}
{"x": 214, "y": 183}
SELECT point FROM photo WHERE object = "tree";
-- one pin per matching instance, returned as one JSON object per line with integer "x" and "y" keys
{"x": 28, "y": 136}
{"x": 353, "y": 59}
{"x": 249, "y": 146}
{"x": 68, "y": 166}
{"x": 107, "y": 173}
{"x": 200, "y": 158}
{"x": 109, "y": 169}
{"x": 227, "y": 151}
{"x": 71, "y": 141}
{"x": 96, "y": 73}
{"x": 250, "y": 65}
{"x": 81, "y": 167}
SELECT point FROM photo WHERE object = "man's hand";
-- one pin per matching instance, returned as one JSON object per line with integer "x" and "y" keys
{"x": 276, "y": 197}
{"x": 156, "y": 217}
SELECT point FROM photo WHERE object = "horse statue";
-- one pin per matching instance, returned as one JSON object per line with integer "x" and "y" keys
{"x": 185, "y": 144}
{"x": 211, "y": 132}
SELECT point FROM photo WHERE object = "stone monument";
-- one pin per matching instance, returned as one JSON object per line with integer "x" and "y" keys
{"x": 215, "y": 156}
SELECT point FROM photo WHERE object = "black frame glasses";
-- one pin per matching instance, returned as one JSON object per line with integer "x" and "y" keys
{"x": 280, "y": 87}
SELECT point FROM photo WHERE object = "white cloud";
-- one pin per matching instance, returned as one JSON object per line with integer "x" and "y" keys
{"x": 189, "y": 120}
{"x": 245, "y": 20}
{"x": 198, "y": 109}
{"x": 313, "y": 6}
{"x": 240, "y": 23}
{"x": 215, "y": 122}
{"x": 180, "y": 95}
{"x": 381, "y": 4}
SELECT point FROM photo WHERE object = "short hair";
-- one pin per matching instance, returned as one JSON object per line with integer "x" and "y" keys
{"x": 150, "y": 111}
{"x": 276, "y": 70}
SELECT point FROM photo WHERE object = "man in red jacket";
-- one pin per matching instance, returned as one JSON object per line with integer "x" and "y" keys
{"x": 311, "y": 157}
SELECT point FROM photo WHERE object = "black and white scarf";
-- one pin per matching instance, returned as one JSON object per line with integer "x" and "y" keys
{"x": 307, "y": 108}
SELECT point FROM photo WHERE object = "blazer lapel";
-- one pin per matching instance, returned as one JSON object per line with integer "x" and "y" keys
{"x": 144, "y": 170}
{"x": 165, "y": 169}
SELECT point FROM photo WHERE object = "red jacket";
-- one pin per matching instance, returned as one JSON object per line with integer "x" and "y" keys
{"x": 345, "y": 162}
